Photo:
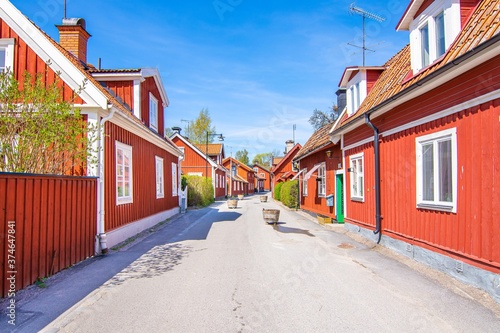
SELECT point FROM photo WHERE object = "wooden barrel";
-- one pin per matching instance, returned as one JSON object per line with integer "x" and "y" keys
{"x": 232, "y": 203}
{"x": 271, "y": 215}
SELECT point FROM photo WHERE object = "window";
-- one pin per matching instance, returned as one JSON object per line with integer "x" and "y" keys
{"x": 321, "y": 181}
{"x": 6, "y": 54}
{"x": 216, "y": 181}
{"x": 437, "y": 171}
{"x": 174, "y": 179}
{"x": 124, "y": 193}
{"x": 304, "y": 183}
{"x": 357, "y": 177}
{"x": 160, "y": 193}
{"x": 234, "y": 170}
{"x": 433, "y": 31}
{"x": 153, "y": 112}
{"x": 440, "y": 35}
{"x": 424, "y": 45}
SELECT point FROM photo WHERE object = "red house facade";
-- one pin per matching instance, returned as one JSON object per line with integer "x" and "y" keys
{"x": 241, "y": 179}
{"x": 137, "y": 167}
{"x": 419, "y": 151}
{"x": 283, "y": 169}
{"x": 321, "y": 175}
{"x": 262, "y": 178}
{"x": 197, "y": 163}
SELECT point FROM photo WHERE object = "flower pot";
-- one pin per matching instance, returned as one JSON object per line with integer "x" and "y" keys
{"x": 240, "y": 196}
{"x": 232, "y": 203}
{"x": 263, "y": 198}
{"x": 271, "y": 215}
{"x": 324, "y": 220}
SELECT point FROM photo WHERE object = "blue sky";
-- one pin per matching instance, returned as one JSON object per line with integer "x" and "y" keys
{"x": 258, "y": 66}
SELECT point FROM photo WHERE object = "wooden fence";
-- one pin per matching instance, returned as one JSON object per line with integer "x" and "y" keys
{"x": 47, "y": 223}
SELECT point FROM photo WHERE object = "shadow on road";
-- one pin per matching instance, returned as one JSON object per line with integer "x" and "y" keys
{"x": 288, "y": 230}
{"x": 158, "y": 260}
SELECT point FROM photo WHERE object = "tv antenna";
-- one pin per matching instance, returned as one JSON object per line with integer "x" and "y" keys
{"x": 358, "y": 11}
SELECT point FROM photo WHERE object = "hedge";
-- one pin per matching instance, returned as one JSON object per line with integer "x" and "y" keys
{"x": 200, "y": 191}
{"x": 289, "y": 193}
{"x": 277, "y": 191}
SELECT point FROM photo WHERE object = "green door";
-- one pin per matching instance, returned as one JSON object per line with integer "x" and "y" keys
{"x": 340, "y": 198}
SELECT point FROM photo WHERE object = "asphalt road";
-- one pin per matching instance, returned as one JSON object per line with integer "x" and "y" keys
{"x": 229, "y": 271}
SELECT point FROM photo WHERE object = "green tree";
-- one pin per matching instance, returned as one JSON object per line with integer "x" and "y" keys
{"x": 242, "y": 156}
{"x": 320, "y": 118}
{"x": 39, "y": 131}
{"x": 263, "y": 159}
{"x": 197, "y": 129}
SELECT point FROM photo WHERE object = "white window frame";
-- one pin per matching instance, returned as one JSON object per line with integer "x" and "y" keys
{"x": 160, "y": 178}
{"x": 452, "y": 27}
{"x": 357, "y": 186}
{"x": 304, "y": 184}
{"x": 174, "y": 179}
{"x": 120, "y": 169}
{"x": 436, "y": 204}
{"x": 7, "y": 45}
{"x": 153, "y": 112}
{"x": 322, "y": 180}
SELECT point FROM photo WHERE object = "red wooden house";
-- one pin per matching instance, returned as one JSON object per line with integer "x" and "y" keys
{"x": 137, "y": 168}
{"x": 421, "y": 151}
{"x": 241, "y": 179}
{"x": 283, "y": 169}
{"x": 196, "y": 162}
{"x": 321, "y": 175}
{"x": 262, "y": 178}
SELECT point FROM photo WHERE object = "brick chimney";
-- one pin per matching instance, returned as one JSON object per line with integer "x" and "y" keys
{"x": 73, "y": 37}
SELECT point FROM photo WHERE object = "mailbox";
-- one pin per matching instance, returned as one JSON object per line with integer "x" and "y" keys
{"x": 329, "y": 200}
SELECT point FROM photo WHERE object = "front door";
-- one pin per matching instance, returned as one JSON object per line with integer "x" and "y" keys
{"x": 340, "y": 198}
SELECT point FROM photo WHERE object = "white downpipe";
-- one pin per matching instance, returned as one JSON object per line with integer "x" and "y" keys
{"x": 101, "y": 246}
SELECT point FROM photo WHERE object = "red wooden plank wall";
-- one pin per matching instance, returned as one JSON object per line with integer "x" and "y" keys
{"x": 145, "y": 202}
{"x": 472, "y": 234}
{"x": 55, "y": 225}
{"x": 149, "y": 86}
{"x": 312, "y": 202}
{"x": 25, "y": 59}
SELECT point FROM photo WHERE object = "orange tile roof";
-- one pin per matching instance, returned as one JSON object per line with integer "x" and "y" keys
{"x": 319, "y": 139}
{"x": 483, "y": 25}
{"x": 213, "y": 148}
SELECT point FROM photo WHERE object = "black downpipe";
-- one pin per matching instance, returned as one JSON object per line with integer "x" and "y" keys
{"x": 376, "y": 145}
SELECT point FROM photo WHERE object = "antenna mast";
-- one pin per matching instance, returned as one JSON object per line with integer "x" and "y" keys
{"x": 356, "y": 10}
{"x": 65, "y": 9}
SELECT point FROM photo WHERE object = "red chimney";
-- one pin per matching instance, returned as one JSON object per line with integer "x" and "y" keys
{"x": 73, "y": 37}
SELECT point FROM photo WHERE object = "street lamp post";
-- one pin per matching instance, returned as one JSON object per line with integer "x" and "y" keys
{"x": 221, "y": 138}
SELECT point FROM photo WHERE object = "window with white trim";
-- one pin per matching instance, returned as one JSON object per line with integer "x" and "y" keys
{"x": 124, "y": 188}
{"x": 321, "y": 180}
{"x": 304, "y": 183}
{"x": 357, "y": 177}
{"x": 153, "y": 112}
{"x": 436, "y": 163}
{"x": 174, "y": 179}
{"x": 160, "y": 184}
{"x": 433, "y": 31}
{"x": 6, "y": 54}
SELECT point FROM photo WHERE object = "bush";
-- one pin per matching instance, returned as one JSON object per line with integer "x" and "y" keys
{"x": 277, "y": 191}
{"x": 201, "y": 191}
{"x": 289, "y": 193}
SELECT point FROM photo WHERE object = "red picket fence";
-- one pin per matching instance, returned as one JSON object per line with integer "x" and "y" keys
{"x": 47, "y": 223}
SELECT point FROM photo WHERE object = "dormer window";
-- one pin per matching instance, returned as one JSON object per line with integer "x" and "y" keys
{"x": 432, "y": 31}
{"x": 356, "y": 92}
{"x": 153, "y": 112}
